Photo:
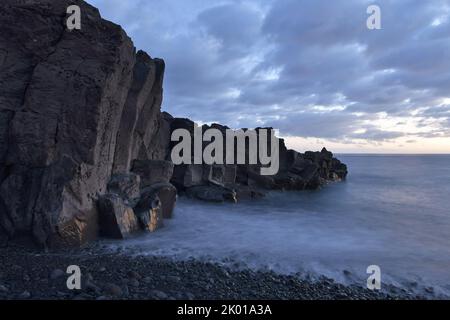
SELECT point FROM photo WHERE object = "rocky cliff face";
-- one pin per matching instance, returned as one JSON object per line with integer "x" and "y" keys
{"x": 84, "y": 147}
{"x": 75, "y": 108}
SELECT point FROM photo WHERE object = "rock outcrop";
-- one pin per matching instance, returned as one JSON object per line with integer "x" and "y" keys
{"x": 76, "y": 108}
{"x": 84, "y": 146}
{"x": 219, "y": 183}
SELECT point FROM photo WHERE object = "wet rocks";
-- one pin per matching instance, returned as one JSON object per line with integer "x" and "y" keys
{"x": 149, "y": 213}
{"x": 212, "y": 193}
{"x": 166, "y": 193}
{"x": 191, "y": 279}
{"x": 117, "y": 220}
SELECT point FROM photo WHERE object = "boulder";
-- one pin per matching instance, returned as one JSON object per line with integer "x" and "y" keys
{"x": 166, "y": 193}
{"x": 338, "y": 170}
{"x": 248, "y": 193}
{"x": 149, "y": 213}
{"x": 212, "y": 193}
{"x": 127, "y": 186}
{"x": 220, "y": 174}
{"x": 116, "y": 219}
{"x": 153, "y": 171}
{"x": 188, "y": 175}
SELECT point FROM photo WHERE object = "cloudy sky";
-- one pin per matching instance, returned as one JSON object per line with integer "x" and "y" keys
{"x": 310, "y": 68}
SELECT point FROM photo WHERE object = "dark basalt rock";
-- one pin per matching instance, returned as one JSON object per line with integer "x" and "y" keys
{"x": 149, "y": 212}
{"x": 76, "y": 108}
{"x": 117, "y": 220}
{"x": 153, "y": 171}
{"x": 212, "y": 193}
{"x": 127, "y": 186}
{"x": 166, "y": 193}
{"x": 298, "y": 171}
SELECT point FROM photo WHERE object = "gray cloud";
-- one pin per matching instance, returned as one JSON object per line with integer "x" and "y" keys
{"x": 310, "y": 68}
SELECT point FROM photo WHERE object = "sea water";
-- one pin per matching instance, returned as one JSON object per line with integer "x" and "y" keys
{"x": 393, "y": 211}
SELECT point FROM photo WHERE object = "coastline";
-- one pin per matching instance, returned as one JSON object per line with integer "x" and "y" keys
{"x": 35, "y": 275}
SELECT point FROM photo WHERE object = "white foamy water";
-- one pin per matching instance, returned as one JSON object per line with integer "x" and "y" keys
{"x": 394, "y": 212}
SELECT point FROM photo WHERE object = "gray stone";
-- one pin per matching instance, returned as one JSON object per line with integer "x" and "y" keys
{"x": 25, "y": 295}
{"x": 79, "y": 111}
{"x": 57, "y": 273}
{"x": 159, "y": 294}
{"x": 212, "y": 193}
{"x": 189, "y": 175}
{"x": 141, "y": 119}
{"x": 166, "y": 193}
{"x": 126, "y": 186}
{"x": 153, "y": 171}
{"x": 149, "y": 213}
{"x": 113, "y": 290}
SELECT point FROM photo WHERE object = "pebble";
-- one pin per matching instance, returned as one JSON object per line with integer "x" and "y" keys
{"x": 25, "y": 295}
{"x": 134, "y": 275}
{"x": 113, "y": 290}
{"x": 133, "y": 283}
{"x": 190, "y": 296}
{"x": 81, "y": 296}
{"x": 159, "y": 294}
{"x": 190, "y": 279}
{"x": 90, "y": 286}
{"x": 174, "y": 278}
{"x": 57, "y": 273}
{"x": 429, "y": 290}
{"x": 147, "y": 280}
{"x": 89, "y": 277}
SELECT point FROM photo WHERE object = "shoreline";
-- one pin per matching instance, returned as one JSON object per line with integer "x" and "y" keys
{"x": 34, "y": 275}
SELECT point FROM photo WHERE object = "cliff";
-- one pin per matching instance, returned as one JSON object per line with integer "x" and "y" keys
{"x": 84, "y": 147}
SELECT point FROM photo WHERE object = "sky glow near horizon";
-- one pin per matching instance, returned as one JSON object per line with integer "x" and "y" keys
{"x": 309, "y": 68}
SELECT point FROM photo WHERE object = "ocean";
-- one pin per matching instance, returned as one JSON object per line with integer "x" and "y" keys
{"x": 393, "y": 211}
